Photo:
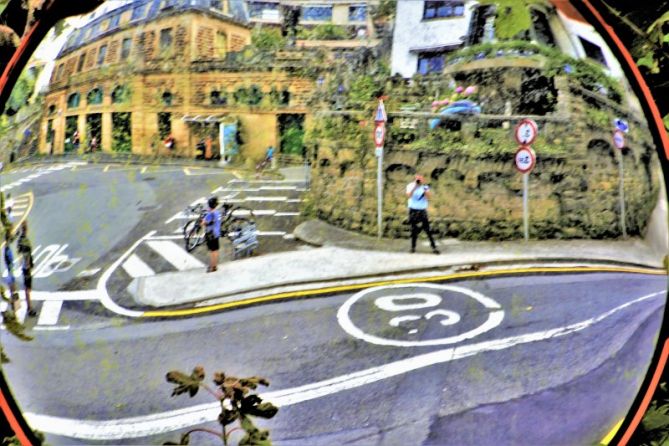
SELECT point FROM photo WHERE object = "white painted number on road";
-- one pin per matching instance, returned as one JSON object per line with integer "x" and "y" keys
{"x": 414, "y": 299}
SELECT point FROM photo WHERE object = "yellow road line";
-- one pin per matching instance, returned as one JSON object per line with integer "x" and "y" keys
{"x": 187, "y": 171}
{"x": 606, "y": 440}
{"x": 143, "y": 169}
{"x": 106, "y": 168}
{"x": 334, "y": 289}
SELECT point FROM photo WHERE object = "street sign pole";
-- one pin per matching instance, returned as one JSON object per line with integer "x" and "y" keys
{"x": 379, "y": 198}
{"x": 619, "y": 142}
{"x": 526, "y": 213}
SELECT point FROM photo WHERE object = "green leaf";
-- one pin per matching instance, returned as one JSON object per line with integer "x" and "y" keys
{"x": 656, "y": 418}
{"x": 253, "y": 405}
{"x": 228, "y": 416}
{"x": 649, "y": 62}
{"x": 14, "y": 326}
{"x": 666, "y": 125}
{"x": 186, "y": 383}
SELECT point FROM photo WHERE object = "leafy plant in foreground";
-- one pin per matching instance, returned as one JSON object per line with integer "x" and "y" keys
{"x": 237, "y": 404}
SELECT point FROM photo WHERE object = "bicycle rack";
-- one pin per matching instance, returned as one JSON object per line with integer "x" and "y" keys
{"x": 245, "y": 242}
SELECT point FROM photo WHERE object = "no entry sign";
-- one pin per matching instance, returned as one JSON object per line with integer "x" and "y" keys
{"x": 526, "y": 132}
{"x": 525, "y": 159}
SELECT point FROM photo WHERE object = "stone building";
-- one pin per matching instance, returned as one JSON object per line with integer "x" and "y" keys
{"x": 151, "y": 69}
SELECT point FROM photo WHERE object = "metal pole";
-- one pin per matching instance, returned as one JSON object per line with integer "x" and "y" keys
{"x": 379, "y": 190}
{"x": 526, "y": 217}
{"x": 623, "y": 226}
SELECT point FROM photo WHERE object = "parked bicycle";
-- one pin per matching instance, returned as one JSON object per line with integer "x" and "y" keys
{"x": 232, "y": 224}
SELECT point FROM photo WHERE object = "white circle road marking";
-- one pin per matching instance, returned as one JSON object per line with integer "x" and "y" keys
{"x": 452, "y": 317}
{"x": 495, "y": 317}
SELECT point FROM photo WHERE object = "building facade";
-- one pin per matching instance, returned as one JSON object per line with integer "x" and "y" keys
{"x": 426, "y": 31}
{"x": 157, "y": 69}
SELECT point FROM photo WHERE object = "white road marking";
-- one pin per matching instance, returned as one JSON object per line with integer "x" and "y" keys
{"x": 270, "y": 233}
{"x": 277, "y": 188}
{"x": 101, "y": 289}
{"x": 65, "y": 295}
{"x": 89, "y": 272}
{"x": 388, "y": 303}
{"x": 295, "y": 200}
{"x": 180, "y": 216}
{"x": 243, "y": 212}
{"x": 169, "y": 421}
{"x": 51, "y": 328}
{"x": 135, "y": 267}
{"x": 286, "y": 214}
{"x": 166, "y": 237}
{"x": 289, "y": 236}
{"x": 267, "y": 199}
{"x": 175, "y": 254}
{"x": 50, "y": 312}
{"x": 265, "y": 181}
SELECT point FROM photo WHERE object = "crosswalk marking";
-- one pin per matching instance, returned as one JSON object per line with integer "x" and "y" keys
{"x": 278, "y": 188}
{"x": 267, "y": 199}
{"x": 286, "y": 214}
{"x": 135, "y": 267}
{"x": 245, "y": 212}
{"x": 174, "y": 254}
{"x": 294, "y": 200}
{"x": 50, "y": 312}
{"x": 271, "y": 233}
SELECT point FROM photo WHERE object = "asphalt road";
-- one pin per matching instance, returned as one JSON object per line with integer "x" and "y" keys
{"x": 84, "y": 217}
{"x": 545, "y": 359}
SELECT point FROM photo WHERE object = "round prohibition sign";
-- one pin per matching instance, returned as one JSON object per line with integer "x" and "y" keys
{"x": 526, "y": 132}
{"x": 421, "y": 304}
{"x": 525, "y": 159}
{"x": 379, "y": 134}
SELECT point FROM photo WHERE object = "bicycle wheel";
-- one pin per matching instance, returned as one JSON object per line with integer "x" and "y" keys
{"x": 188, "y": 226}
{"x": 195, "y": 237}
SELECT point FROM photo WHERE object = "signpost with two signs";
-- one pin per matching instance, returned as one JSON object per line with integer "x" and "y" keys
{"x": 380, "y": 119}
{"x": 525, "y": 159}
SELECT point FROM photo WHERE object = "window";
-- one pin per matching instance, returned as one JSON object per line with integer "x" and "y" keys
{"x": 101, "y": 54}
{"x": 215, "y": 4}
{"x": 82, "y": 60}
{"x": 59, "y": 71}
{"x": 115, "y": 21}
{"x": 94, "y": 97}
{"x": 357, "y": 13}
{"x": 165, "y": 38}
{"x": 167, "y": 98}
{"x": 218, "y": 98}
{"x": 264, "y": 10}
{"x": 164, "y": 125}
{"x": 317, "y": 13}
{"x": 73, "y": 100}
{"x": 138, "y": 12}
{"x": 52, "y": 109}
{"x": 435, "y": 9}
{"x": 430, "y": 63}
{"x": 125, "y": 48}
{"x": 593, "y": 51}
{"x": 221, "y": 44}
{"x": 120, "y": 95}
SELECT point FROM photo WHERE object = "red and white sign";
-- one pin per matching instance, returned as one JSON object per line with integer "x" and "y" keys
{"x": 526, "y": 132}
{"x": 379, "y": 133}
{"x": 525, "y": 159}
{"x": 619, "y": 139}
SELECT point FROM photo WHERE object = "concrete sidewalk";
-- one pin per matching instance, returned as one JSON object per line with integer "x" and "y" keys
{"x": 357, "y": 260}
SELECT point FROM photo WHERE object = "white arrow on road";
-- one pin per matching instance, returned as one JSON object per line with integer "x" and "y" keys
{"x": 159, "y": 423}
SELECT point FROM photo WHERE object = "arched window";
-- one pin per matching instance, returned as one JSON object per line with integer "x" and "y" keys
{"x": 167, "y": 98}
{"x": 73, "y": 100}
{"x": 94, "y": 96}
{"x": 52, "y": 109}
{"x": 218, "y": 98}
{"x": 120, "y": 94}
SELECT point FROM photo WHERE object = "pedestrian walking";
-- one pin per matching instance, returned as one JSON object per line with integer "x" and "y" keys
{"x": 418, "y": 194}
{"x": 212, "y": 224}
{"x": 269, "y": 156}
{"x": 24, "y": 248}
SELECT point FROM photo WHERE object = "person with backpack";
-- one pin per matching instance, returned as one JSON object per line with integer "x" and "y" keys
{"x": 24, "y": 248}
{"x": 212, "y": 224}
{"x": 418, "y": 194}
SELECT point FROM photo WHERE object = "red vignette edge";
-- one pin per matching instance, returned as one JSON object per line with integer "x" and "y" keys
{"x": 624, "y": 434}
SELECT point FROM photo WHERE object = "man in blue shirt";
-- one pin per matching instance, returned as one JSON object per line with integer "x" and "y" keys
{"x": 212, "y": 224}
{"x": 418, "y": 194}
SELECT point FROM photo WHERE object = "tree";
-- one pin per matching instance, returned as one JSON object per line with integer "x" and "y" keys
{"x": 237, "y": 404}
